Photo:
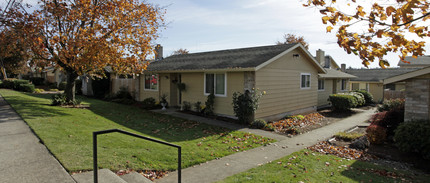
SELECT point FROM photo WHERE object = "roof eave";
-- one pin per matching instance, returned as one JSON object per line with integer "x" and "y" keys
{"x": 407, "y": 75}
{"x": 204, "y": 70}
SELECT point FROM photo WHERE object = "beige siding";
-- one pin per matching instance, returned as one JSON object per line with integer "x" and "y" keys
{"x": 281, "y": 81}
{"x": 377, "y": 90}
{"x": 148, "y": 93}
{"x": 194, "y": 83}
{"x": 361, "y": 85}
{"x": 324, "y": 94}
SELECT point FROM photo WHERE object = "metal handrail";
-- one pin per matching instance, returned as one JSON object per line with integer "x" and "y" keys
{"x": 134, "y": 135}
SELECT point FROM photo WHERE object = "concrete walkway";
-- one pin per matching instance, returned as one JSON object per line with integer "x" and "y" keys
{"x": 22, "y": 157}
{"x": 239, "y": 162}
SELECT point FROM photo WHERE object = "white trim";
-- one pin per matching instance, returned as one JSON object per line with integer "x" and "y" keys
{"x": 225, "y": 84}
{"x": 310, "y": 84}
{"x": 323, "y": 85}
{"x": 144, "y": 84}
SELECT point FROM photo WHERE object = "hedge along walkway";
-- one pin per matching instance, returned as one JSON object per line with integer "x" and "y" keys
{"x": 227, "y": 166}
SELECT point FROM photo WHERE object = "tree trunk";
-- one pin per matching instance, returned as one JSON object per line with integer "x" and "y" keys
{"x": 3, "y": 69}
{"x": 70, "y": 86}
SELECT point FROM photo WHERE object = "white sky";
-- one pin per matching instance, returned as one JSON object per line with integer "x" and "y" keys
{"x": 203, "y": 25}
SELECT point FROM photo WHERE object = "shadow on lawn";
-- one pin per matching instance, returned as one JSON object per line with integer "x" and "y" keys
{"x": 27, "y": 108}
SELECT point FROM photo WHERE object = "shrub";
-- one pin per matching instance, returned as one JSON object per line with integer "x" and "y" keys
{"x": 342, "y": 102}
{"x": 18, "y": 82}
{"x": 8, "y": 83}
{"x": 387, "y": 105}
{"x": 259, "y": 123}
{"x": 376, "y": 134}
{"x": 186, "y": 106}
{"x": 198, "y": 106}
{"x": 148, "y": 103}
{"x": 388, "y": 119}
{"x": 413, "y": 136}
{"x": 101, "y": 87}
{"x": 123, "y": 93}
{"x": 245, "y": 105}
{"x": 368, "y": 97}
{"x": 54, "y": 90}
{"x": 209, "y": 109}
{"x": 163, "y": 99}
{"x": 269, "y": 127}
{"x": 360, "y": 98}
{"x": 38, "y": 90}
{"x": 37, "y": 81}
{"x": 26, "y": 88}
{"x": 348, "y": 136}
{"x": 60, "y": 99}
{"x": 62, "y": 86}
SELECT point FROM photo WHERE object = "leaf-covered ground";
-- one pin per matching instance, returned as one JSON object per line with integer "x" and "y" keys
{"x": 308, "y": 166}
{"x": 294, "y": 124}
{"x": 67, "y": 132}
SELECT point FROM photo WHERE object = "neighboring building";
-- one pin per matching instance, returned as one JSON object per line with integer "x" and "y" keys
{"x": 288, "y": 74}
{"x": 419, "y": 62}
{"x": 53, "y": 75}
{"x": 335, "y": 80}
{"x": 371, "y": 80}
{"x": 417, "y": 92}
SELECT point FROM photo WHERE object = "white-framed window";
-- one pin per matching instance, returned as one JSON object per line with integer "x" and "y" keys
{"x": 151, "y": 82}
{"x": 216, "y": 83}
{"x": 305, "y": 80}
{"x": 321, "y": 85}
{"x": 343, "y": 84}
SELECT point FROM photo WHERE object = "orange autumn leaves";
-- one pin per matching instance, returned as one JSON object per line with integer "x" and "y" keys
{"x": 292, "y": 124}
{"x": 392, "y": 26}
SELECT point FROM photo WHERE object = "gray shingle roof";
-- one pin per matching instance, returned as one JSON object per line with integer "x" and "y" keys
{"x": 377, "y": 74}
{"x": 420, "y": 61}
{"x": 224, "y": 59}
{"x": 332, "y": 73}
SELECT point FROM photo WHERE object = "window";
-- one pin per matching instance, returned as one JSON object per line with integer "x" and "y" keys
{"x": 390, "y": 86}
{"x": 305, "y": 81}
{"x": 215, "y": 83}
{"x": 320, "y": 84}
{"x": 355, "y": 86}
{"x": 151, "y": 82}
{"x": 343, "y": 86}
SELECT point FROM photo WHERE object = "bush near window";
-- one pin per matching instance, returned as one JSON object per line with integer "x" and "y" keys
{"x": 391, "y": 104}
{"x": 198, "y": 106}
{"x": 414, "y": 136}
{"x": 148, "y": 103}
{"x": 26, "y": 88}
{"x": 376, "y": 134}
{"x": 342, "y": 102}
{"x": 368, "y": 97}
{"x": 245, "y": 105}
{"x": 186, "y": 106}
{"x": 209, "y": 109}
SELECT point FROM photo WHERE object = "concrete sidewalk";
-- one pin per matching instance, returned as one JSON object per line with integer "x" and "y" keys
{"x": 236, "y": 163}
{"x": 22, "y": 157}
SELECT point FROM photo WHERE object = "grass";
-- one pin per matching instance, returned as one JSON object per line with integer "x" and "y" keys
{"x": 307, "y": 166}
{"x": 348, "y": 136}
{"x": 67, "y": 132}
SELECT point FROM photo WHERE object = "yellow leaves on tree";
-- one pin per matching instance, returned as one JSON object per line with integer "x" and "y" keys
{"x": 386, "y": 22}
{"x": 85, "y": 36}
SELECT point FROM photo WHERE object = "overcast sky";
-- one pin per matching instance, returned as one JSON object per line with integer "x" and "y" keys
{"x": 200, "y": 25}
{"x": 203, "y": 25}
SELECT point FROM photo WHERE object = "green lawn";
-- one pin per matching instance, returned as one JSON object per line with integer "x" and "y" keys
{"x": 67, "y": 132}
{"x": 307, "y": 166}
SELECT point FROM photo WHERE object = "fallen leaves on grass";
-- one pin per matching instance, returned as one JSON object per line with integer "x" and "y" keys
{"x": 149, "y": 174}
{"x": 292, "y": 124}
{"x": 342, "y": 152}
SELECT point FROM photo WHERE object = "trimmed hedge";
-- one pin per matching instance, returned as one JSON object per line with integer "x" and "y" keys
{"x": 17, "y": 83}
{"x": 27, "y": 88}
{"x": 8, "y": 83}
{"x": 360, "y": 98}
{"x": 368, "y": 97}
{"x": 413, "y": 136}
{"x": 37, "y": 80}
{"x": 342, "y": 102}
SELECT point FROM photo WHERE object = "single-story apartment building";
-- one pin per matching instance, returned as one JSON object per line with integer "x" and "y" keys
{"x": 288, "y": 73}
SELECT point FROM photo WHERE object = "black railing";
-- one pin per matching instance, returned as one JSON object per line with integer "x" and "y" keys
{"x": 134, "y": 135}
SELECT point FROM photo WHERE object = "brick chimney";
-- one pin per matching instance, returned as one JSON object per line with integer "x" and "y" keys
{"x": 158, "y": 52}
{"x": 343, "y": 67}
{"x": 320, "y": 57}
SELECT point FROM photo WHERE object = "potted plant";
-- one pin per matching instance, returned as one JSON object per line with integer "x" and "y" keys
{"x": 163, "y": 101}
